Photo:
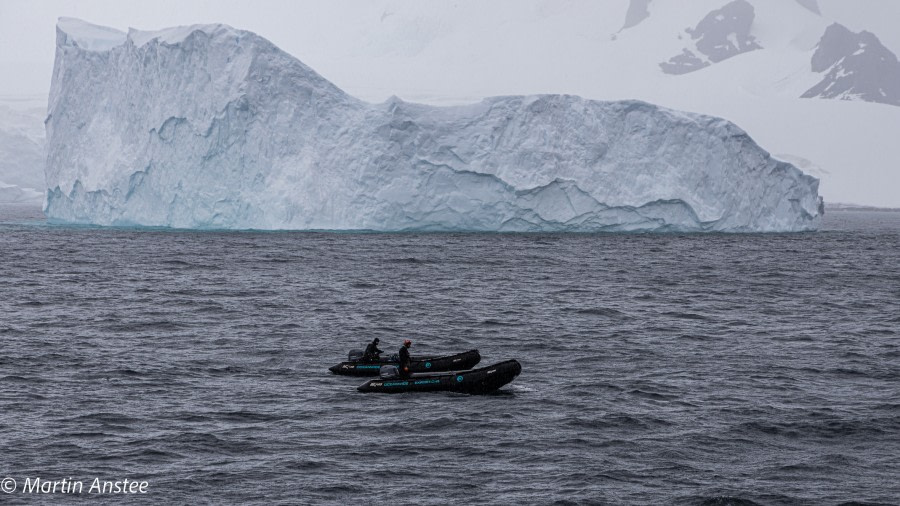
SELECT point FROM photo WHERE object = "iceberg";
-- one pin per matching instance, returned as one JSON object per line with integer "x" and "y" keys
{"x": 211, "y": 127}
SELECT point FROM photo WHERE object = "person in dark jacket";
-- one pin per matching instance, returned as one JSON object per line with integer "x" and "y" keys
{"x": 372, "y": 352}
{"x": 404, "y": 359}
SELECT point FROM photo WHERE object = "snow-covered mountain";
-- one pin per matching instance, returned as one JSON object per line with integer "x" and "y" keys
{"x": 856, "y": 67}
{"x": 208, "y": 126}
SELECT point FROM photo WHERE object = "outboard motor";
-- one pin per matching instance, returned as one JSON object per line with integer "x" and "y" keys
{"x": 389, "y": 372}
{"x": 355, "y": 355}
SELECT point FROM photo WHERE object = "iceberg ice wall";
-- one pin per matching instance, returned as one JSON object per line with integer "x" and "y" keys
{"x": 213, "y": 127}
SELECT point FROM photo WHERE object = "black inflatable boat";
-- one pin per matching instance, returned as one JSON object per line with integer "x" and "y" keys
{"x": 476, "y": 381}
{"x": 356, "y": 367}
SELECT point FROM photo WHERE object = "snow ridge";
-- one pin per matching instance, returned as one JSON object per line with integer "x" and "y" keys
{"x": 218, "y": 128}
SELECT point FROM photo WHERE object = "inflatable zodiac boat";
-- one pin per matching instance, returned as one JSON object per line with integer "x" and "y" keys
{"x": 475, "y": 381}
{"x": 355, "y": 366}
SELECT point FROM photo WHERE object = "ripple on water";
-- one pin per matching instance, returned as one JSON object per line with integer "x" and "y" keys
{"x": 708, "y": 370}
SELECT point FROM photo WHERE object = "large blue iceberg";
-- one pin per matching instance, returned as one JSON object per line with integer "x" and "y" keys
{"x": 212, "y": 127}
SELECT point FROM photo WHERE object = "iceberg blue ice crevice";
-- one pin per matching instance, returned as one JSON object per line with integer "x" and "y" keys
{"x": 212, "y": 127}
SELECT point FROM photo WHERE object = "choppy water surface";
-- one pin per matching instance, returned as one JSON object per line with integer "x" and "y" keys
{"x": 694, "y": 369}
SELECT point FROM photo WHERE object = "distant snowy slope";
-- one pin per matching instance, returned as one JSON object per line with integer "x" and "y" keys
{"x": 21, "y": 154}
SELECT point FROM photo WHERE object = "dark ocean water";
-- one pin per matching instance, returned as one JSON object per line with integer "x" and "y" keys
{"x": 657, "y": 369}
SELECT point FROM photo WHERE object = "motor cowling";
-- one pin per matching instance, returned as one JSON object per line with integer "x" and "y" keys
{"x": 355, "y": 355}
{"x": 389, "y": 372}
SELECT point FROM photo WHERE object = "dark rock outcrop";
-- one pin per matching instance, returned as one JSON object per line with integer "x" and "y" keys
{"x": 857, "y": 66}
{"x": 722, "y": 34}
{"x": 638, "y": 11}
